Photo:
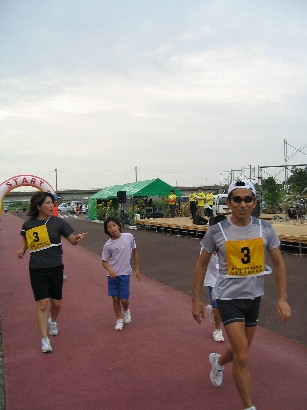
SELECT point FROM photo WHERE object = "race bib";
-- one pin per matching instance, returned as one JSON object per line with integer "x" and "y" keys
{"x": 38, "y": 238}
{"x": 245, "y": 258}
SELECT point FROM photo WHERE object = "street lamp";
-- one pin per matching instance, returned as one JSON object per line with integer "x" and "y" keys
{"x": 56, "y": 180}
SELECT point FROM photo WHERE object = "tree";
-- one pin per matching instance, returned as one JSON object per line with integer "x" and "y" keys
{"x": 298, "y": 180}
{"x": 271, "y": 192}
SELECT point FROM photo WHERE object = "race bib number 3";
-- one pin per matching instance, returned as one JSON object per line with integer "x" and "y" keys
{"x": 245, "y": 258}
{"x": 38, "y": 238}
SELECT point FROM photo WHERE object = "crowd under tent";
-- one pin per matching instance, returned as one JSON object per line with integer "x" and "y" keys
{"x": 141, "y": 189}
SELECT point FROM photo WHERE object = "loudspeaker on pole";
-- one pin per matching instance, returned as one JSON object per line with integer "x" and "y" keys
{"x": 121, "y": 197}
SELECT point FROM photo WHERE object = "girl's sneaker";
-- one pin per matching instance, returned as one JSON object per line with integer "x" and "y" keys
{"x": 127, "y": 316}
{"x": 210, "y": 313}
{"x": 218, "y": 336}
{"x": 119, "y": 324}
{"x": 46, "y": 346}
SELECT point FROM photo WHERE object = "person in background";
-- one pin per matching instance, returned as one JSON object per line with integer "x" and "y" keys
{"x": 55, "y": 206}
{"x": 209, "y": 203}
{"x": 201, "y": 199}
{"x": 192, "y": 203}
{"x": 116, "y": 257}
{"x": 41, "y": 234}
{"x": 241, "y": 242}
{"x": 171, "y": 200}
{"x": 24, "y": 209}
{"x": 5, "y": 210}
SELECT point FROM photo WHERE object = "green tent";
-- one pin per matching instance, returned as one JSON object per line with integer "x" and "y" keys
{"x": 153, "y": 187}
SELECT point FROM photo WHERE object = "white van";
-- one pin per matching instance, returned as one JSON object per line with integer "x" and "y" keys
{"x": 219, "y": 204}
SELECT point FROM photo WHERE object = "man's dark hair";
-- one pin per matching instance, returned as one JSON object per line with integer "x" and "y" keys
{"x": 111, "y": 219}
{"x": 37, "y": 199}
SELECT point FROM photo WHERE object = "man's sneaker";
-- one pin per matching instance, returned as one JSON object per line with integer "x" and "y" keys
{"x": 119, "y": 324}
{"x": 46, "y": 346}
{"x": 251, "y": 408}
{"x": 53, "y": 328}
{"x": 210, "y": 313}
{"x": 127, "y": 316}
{"x": 216, "y": 374}
{"x": 218, "y": 336}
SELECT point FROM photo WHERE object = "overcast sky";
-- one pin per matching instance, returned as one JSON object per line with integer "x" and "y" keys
{"x": 183, "y": 90}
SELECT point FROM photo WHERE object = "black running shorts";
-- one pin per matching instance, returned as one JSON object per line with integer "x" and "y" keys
{"x": 239, "y": 310}
{"x": 47, "y": 282}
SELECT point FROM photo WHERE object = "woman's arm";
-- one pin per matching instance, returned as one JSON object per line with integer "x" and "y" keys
{"x": 75, "y": 239}
{"x": 23, "y": 248}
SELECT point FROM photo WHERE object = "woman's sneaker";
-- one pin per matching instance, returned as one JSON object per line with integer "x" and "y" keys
{"x": 210, "y": 313}
{"x": 216, "y": 374}
{"x": 127, "y": 316}
{"x": 46, "y": 346}
{"x": 119, "y": 324}
{"x": 53, "y": 328}
{"x": 218, "y": 335}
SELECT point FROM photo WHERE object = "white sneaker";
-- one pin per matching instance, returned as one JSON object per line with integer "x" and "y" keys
{"x": 119, "y": 324}
{"x": 210, "y": 313}
{"x": 46, "y": 346}
{"x": 127, "y": 316}
{"x": 218, "y": 335}
{"x": 53, "y": 328}
{"x": 64, "y": 277}
{"x": 216, "y": 374}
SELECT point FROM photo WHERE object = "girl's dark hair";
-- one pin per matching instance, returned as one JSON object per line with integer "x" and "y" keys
{"x": 111, "y": 219}
{"x": 37, "y": 199}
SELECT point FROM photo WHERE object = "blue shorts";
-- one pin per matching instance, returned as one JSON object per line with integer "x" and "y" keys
{"x": 213, "y": 304}
{"x": 239, "y": 310}
{"x": 119, "y": 286}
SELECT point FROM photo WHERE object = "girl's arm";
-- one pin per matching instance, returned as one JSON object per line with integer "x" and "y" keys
{"x": 137, "y": 263}
{"x": 107, "y": 267}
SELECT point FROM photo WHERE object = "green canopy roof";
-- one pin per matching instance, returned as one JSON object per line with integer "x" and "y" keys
{"x": 153, "y": 187}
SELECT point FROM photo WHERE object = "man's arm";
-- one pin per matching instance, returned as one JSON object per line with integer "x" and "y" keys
{"x": 198, "y": 282}
{"x": 279, "y": 269}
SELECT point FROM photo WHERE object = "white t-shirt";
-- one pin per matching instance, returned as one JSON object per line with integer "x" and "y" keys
{"x": 117, "y": 252}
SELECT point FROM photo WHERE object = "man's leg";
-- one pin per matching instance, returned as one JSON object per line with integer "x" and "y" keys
{"x": 240, "y": 338}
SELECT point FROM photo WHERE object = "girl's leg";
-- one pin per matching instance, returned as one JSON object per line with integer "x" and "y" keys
{"x": 41, "y": 316}
{"x": 117, "y": 307}
{"x": 125, "y": 304}
{"x": 217, "y": 318}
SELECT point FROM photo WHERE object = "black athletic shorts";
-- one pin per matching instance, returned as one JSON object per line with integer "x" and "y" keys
{"x": 239, "y": 310}
{"x": 47, "y": 282}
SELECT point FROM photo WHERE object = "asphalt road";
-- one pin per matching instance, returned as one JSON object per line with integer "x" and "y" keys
{"x": 171, "y": 260}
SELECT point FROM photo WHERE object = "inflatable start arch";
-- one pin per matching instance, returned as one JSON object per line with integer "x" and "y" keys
{"x": 23, "y": 180}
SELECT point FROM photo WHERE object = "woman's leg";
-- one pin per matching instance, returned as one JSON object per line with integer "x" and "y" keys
{"x": 55, "y": 307}
{"x": 41, "y": 316}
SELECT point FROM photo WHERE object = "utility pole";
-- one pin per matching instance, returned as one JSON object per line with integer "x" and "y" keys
{"x": 136, "y": 174}
{"x": 56, "y": 180}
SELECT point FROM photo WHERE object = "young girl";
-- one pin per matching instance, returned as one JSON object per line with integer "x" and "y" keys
{"x": 116, "y": 256}
{"x": 213, "y": 312}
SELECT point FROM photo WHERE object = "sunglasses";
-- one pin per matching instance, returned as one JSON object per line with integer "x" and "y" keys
{"x": 239, "y": 199}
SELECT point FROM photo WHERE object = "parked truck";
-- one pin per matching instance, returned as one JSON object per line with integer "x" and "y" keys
{"x": 219, "y": 204}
